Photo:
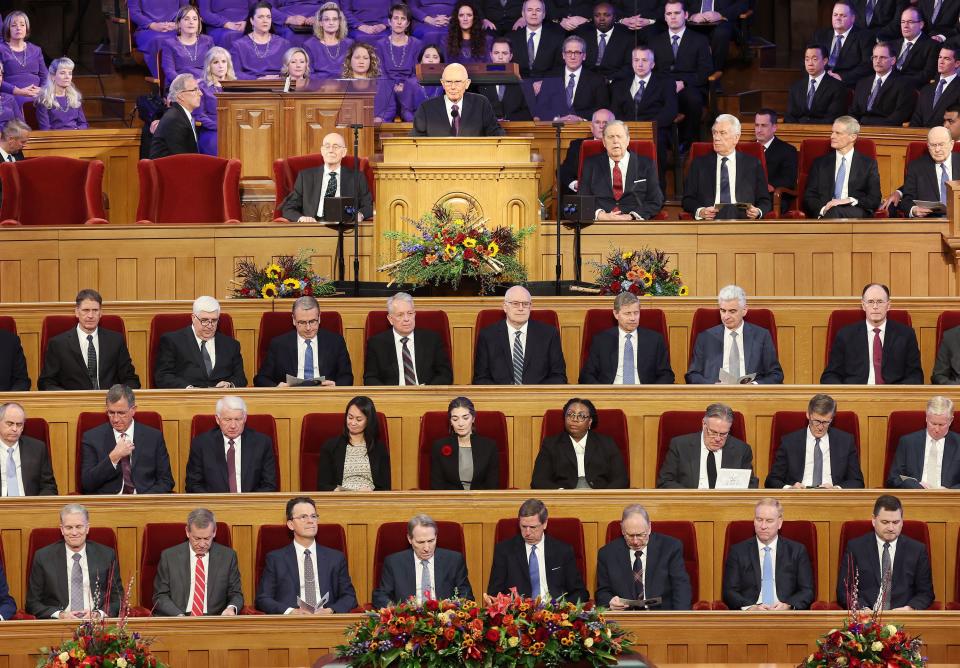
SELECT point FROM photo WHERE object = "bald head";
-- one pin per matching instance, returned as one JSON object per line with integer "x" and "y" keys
{"x": 517, "y": 304}
{"x": 333, "y": 149}
{"x": 939, "y": 143}
{"x": 455, "y": 81}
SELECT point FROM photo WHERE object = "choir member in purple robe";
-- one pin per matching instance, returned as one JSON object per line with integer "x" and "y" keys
{"x": 362, "y": 64}
{"x": 59, "y": 105}
{"x": 398, "y": 52}
{"x": 186, "y": 51}
{"x": 466, "y": 42}
{"x": 367, "y": 19}
{"x": 296, "y": 68}
{"x": 226, "y": 20}
{"x": 9, "y": 107}
{"x": 23, "y": 66}
{"x": 217, "y": 68}
{"x": 328, "y": 46}
{"x": 413, "y": 92}
{"x": 294, "y": 19}
{"x": 433, "y": 17}
{"x": 153, "y": 20}
{"x": 259, "y": 54}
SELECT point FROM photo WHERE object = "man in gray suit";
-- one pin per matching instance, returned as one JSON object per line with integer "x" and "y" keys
{"x": 929, "y": 458}
{"x": 692, "y": 461}
{"x": 25, "y": 468}
{"x": 198, "y": 576}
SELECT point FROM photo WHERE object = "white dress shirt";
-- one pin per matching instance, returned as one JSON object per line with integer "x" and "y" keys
{"x": 398, "y": 348}
{"x": 301, "y": 354}
{"x": 116, "y": 437}
{"x": 82, "y": 338}
{"x": 236, "y": 458}
{"x": 302, "y": 593}
{"x": 4, "y": 458}
{"x": 580, "y": 450}
{"x": 933, "y": 484}
{"x": 512, "y": 335}
{"x": 418, "y": 572}
{"x": 808, "y": 460}
{"x": 728, "y": 344}
{"x": 323, "y": 187}
{"x": 87, "y": 594}
{"x": 4, "y": 156}
{"x": 211, "y": 349}
{"x": 871, "y": 376}
{"x": 193, "y": 580}
{"x": 773, "y": 563}
{"x": 621, "y": 341}
{"x": 541, "y": 563}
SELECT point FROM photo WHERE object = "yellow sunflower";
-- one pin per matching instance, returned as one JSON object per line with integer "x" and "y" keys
{"x": 291, "y": 284}
{"x": 469, "y": 243}
{"x": 684, "y": 291}
{"x": 493, "y": 248}
{"x": 274, "y": 271}
{"x": 269, "y": 291}
{"x": 647, "y": 280}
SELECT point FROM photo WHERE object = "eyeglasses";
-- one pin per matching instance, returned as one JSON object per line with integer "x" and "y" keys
{"x": 304, "y": 518}
{"x": 573, "y": 53}
{"x": 308, "y": 323}
{"x": 231, "y": 420}
{"x": 519, "y": 304}
{"x": 820, "y": 423}
{"x": 636, "y": 536}
{"x": 874, "y": 302}
{"x": 207, "y": 322}
{"x": 577, "y": 417}
{"x": 907, "y": 23}
{"x": 332, "y": 147}
{"x": 940, "y": 144}
{"x": 191, "y": 90}
{"x": 719, "y": 435}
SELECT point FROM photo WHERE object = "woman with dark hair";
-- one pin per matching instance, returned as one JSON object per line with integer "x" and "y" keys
{"x": 23, "y": 67}
{"x": 356, "y": 460}
{"x": 579, "y": 458}
{"x": 464, "y": 459}
{"x": 465, "y": 37}
{"x": 259, "y": 53}
{"x": 185, "y": 52}
{"x": 413, "y": 93}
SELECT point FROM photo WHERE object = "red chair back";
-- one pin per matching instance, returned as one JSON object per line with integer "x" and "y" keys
{"x": 157, "y": 537}
{"x": 52, "y": 190}
{"x": 899, "y": 424}
{"x": 567, "y": 529}
{"x": 8, "y": 323}
{"x": 88, "y": 420}
{"x": 751, "y": 148}
{"x": 58, "y": 324}
{"x": 317, "y": 429}
{"x": 264, "y": 423}
{"x": 946, "y": 320}
{"x": 613, "y": 423}
{"x": 682, "y": 530}
{"x": 678, "y": 423}
{"x": 801, "y": 531}
{"x": 916, "y": 529}
{"x": 785, "y": 422}
{"x": 285, "y": 171}
{"x": 164, "y": 180}
{"x": 272, "y": 537}
{"x": 705, "y": 318}
{"x": 43, "y": 536}
{"x": 37, "y": 427}
{"x": 275, "y": 323}
{"x": 840, "y": 318}
{"x": 598, "y": 319}
{"x": 162, "y": 323}
{"x": 590, "y": 147}
{"x": 434, "y": 426}
{"x": 392, "y": 537}
{"x": 811, "y": 149}
{"x": 436, "y": 320}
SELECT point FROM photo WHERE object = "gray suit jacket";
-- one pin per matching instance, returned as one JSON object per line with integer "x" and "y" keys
{"x": 171, "y": 586}
{"x": 759, "y": 356}
{"x": 946, "y": 370}
{"x": 681, "y": 468}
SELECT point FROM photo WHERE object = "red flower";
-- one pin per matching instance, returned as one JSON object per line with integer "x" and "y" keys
{"x": 493, "y": 635}
{"x": 615, "y": 287}
{"x": 616, "y": 271}
{"x": 634, "y": 288}
{"x": 446, "y": 451}
{"x": 459, "y": 239}
{"x": 468, "y": 254}
{"x": 432, "y": 604}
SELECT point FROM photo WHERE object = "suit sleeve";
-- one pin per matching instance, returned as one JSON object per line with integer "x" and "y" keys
{"x": 162, "y": 602}
{"x": 604, "y": 585}
{"x": 165, "y": 374}
{"x": 112, "y": 605}
{"x": 481, "y": 362}
{"x": 922, "y": 582}
{"x": 234, "y": 585}
{"x": 8, "y": 607}
{"x": 760, "y": 189}
{"x": 237, "y": 375}
{"x": 590, "y": 373}
{"x": 680, "y": 586}
{"x": 916, "y": 120}
{"x": 292, "y": 206}
{"x": 498, "y": 572}
{"x": 670, "y": 107}
{"x": 619, "y": 475}
{"x": 544, "y": 471}
{"x": 870, "y": 199}
{"x": 461, "y": 582}
{"x": 268, "y": 468}
{"x": 943, "y": 371}
{"x": 913, "y": 371}
{"x": 419, "y": 128}
{"x": 691, "y": 190}
{"x": 854, "y": 475}
{"x": 664, "y": 373}
{"x": 442, "y": 371}
{"x": 906, "y": 99}
{"x": 491, "y": 128}
{"x": 652, "y": 205}
{"x": 910, "y": 190}
{"x": 385, "y": 593}
{"x": 777, "y": 478}
{"x": 266, "y": 600}
{"x": 366, "y": 199}
{"x": 195, "y": 482}
{"x": 670, "y": 471}
{"x": 576, "y": 589}
{"x": 833, "y": 373}
{"x": 847, "y": 563}
{"x": 49, "y": 379}
{"x": 733, "y": 583}
{"x": 163, "y": 483}
{"x": 36, "y": 584}
{"x": 838, "y": 102}
{"x": 269, "y": 371}
{"x": 770, "y": 372}
{"x": 326, "y": 468}
{"x": 803, "y": 596}
{"x": 346, "y": 599}
{"x": 437, "y": 481}
{"x": 95, "y": 472}
{"x": 694, "y": 375}
{"x": 792, "y": 114}
{"x": 343, "y": 369}
{"x": 813, "y": 199}
{"x": 491, "y": 475}
{"x": 126, "y": 374}
{"x": 557, "y": 374}
{"x": 19, "y": 378}
{"x": 899, "y": 467}
{"x": 381, "y": 476}
{"x": 371, "y": 369}
{"x": 48, "y": 482}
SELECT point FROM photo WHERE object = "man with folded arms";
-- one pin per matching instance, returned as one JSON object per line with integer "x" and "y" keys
{"x": 929, "y": 458}
{"x": 625, "y": 184}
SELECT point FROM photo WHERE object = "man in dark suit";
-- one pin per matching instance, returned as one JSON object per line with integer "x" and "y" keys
{"x": 819, "y": 456}
{"x": 73, "y": 577}
{"x": 177, "y": 132}
{"x": 929, "y": 458}
{"x": 576, "y": 93}
{"x": 768, "y": 571}
{"x": 509, "y": 101}
{"x": 8, "y": 607}
{"x": 627, "y": 354}
{"x": 570, "y": 14}
{"x": 940, "y": 18}
{"x": 624, "y": 184}
{"x": 87, "y": 357}
{"x": 738, "y": 179}
{"x": 199, "y": 355}
{"x": 885, "y": 551}
{"x": 198, "y": 576}
{"x": 281, "y": 590}
{"x": 916, "y": 52}
{"x": 927, "y": 176}
{"x": 843, "y": 183}
{"x": 425, "y": 571}
{"x": 537, "y": 46}
{"x": 891, "y": 357}
{"x": 817, "y": 98}
{"x": 13, "y": 139}
{"x": 642, "y": 565}
{"x": 456, "y": 113}
{"x": 25, "y": 468}
{"x": 404, "y": 355}
{"x": 781, "y": 157}
{"x": 121, "y": 456}
{"x": 717, "y": 18}
{"x": 308, "y": 353}
{"x": 535, "y": 563}
{"x": 613, "y": 62}
{"x": 936, "y": 97}
{"x": 647, "y": 96}
{"x": 502, "y": 17}
{"x": 878, "y": 18}
{"x": 735, "y": 346}
{"x": 848, "y": 48}
{"x": 570, "y": 167}
{"x": 304, "y": 204}
{"x": 13, "y": 363}
{"x": 499, "y": 344}
{"x": 643, "y": 17}
{"x": 946, "y": 368}
{"x": 691, "y": 461}
{"x": 230, "y": 457}
{"x": 887, "y": 98}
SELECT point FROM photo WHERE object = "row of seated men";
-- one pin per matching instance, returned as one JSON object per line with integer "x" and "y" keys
{"x": 641, "y": 569}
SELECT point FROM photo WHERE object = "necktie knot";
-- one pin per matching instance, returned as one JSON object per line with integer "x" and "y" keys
{"x": 230, "y": 442}
{"x": 676, "y": 38}
{"x": 404, "y": 340}
{"x": 876, "y": 330}
{"x": 76, "y": 557}
{"x": 638, "y": 554}
{"x": 732, "y": 334}
{"x": 766, "y": 549}
{"x": 886, "y": 546}
{"x": 306, "y": 553}
{"x": 90, "y": 338}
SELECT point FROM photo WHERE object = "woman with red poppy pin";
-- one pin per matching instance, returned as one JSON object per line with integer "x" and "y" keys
{"x": 357, "y": 460}
{"x": 464, "y": 459}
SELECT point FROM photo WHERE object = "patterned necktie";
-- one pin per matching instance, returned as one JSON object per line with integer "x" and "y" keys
{"x": 308, "y": 360}
{"x": 199, "y": 588}
{"x": 76, "y": 584}
{"x": 601, "y": 47}
{"x": 877, "y": 357}
{"x": 835, "y": 52}
{"x": 638, "y": 575}
{"x": 309, "y": 580}
{"x": 903, "y": 55}
{"x": 817, "y": 478}
{"x": 811, "y": 93}
{"x": 734, "y": 361}
{"x": 534, "y": 572}
{"x": 517, "y": 358}
{"x": 617, "y": 181}
{"x": 873, "y": 94}
{"x": 931, "y": 467}
{"x": 676, "y": 45}
{"x": 426, "y": 585}
{"x": 939, "y": 91}
{"x": 629, "y": 372}
{"x": 331, "y": 190}
{"x": 885, "y": 566}
{"x": 712, "y": 469}
{"x": 92, "y": 362}
{"x": 13, "y": 485}
{"x": 767, "y": 595}
{"x": 455, "y": 119}
{"x": 841, "y": 176}
{"x": 724, "y": 182}
{"x": 409, "y": 372}
{"x": 205, "y": 356}
{"x": 936, "y": 11}
{"x": 232, "y": 466}
{"x": 125, "y": 470}
{"x": 943, "y": 183}
{"x": 531, "y": 50}
{"x": 706, "y": 6}
{"x": 869, "y": 11}
{"x": 571, "y": 84}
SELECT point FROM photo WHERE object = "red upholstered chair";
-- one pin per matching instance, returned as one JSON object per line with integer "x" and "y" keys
{"x": 88, "y": 420}
{"x": 899, "y": 424}
{"x": 162, "y": 323}
{"x": 955, "y": 603}
{"x": 946, "y": 320}
{"x": 317, "y": 429}
{"x": 392, "y": 537}
{"x": 810, "y": 150}
{"x": 598, "y": 319}
{"x": 165, "y": 185}
{"x": 19, "y": 615}
{"x": 275, "y": 323}
{"x": 705, "y": 318}
{"x": 702, "y": 148}
{"x": 43, "y": 536}
{"x": 58, "y": 324}
{"x": 678, "y": 423}
{"x": 567, "y": 529}
{"x": 613, "y": 423}
{"x": 436, "y": 320}
{"x": 840, "y": 318}
{"x": 52, "y": 190}
{"x": 434, "y": 425}
{"x": 642, "y": 147}
{"x": 265, "y": 424}
{"x": 37, "y": 427}
{"x": 8, "y": 323}
{"x": 285, "y": 171}
{"x": 785, "y": 422}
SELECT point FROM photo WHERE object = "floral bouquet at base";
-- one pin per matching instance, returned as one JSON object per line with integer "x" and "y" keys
{"x": 643, "y": 272}
{"x": 287, "y": 276}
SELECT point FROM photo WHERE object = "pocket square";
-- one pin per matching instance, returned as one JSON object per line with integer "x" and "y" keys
{"x": 640, "y": 181}
{"x": 555, "y": 568}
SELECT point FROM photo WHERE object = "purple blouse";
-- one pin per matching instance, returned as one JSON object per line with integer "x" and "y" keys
{"x": 366, "y": 12}
{"x": 206, "y": 113}
{"x": 177, "y": 58}
{"x": 283, "y": 9}
{"x": 384, "y": 103}
{"x": 326, "y": 62}
{"x": 217, "y": 12}
{"x": 252, "y": 61}
{"x": 10, "y": 109}
{"x": 145, "y": 12}
{"x": 421, "y": 9}
{"x": 399, "y": 62}
{"x": 60, "y": 116}
{"x": 413, "y": 94}
{"x": 465, "y": 56}
{"x": 22, "y": 68}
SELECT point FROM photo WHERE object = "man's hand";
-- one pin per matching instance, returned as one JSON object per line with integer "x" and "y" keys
{"x": 753, "y": 212}
{"x": 679, "y": 86}
{"x": 487, "y": 599}
{"x": 570, "y": 118}
{"x": 635, "y": 22}
{"x": 306, "y": 219}
{"x": 299, "y": 611}
{"x": 229, "y": 611}
{"x": 709, "y": 212}
{"x": 937, "y": 38}
{"x": 123, "y": 448}
{"x": 324, "y": 611}
{"x": 162, "y": 26}
{"x": 536, "y": 87}
{"x": 295, "y": 20}
{"x": 489, "y": 25}
{"x": 616, "y": 603}
{"x": 902, "y": 608}
{"x": 572, "y": 22}
{"x": 328, "y": 383}
{"x": 602, "y": 216}
{"x": 892, "y": 200}
{"x": 224, "y": 384}
{"x": 779, "y": 606}
{"x": 835, "y": 202}
{"x": 835, "y": 75}
{"x": 520, "y": 23}
{"x": 74, "y": 614}
{"x": 398, "y": 88}
{"x": 920, "y": 212}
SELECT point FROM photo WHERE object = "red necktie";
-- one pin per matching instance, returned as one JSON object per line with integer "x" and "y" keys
{"x": 199, "y": 587}
{"x": 877, "y": 357}
{"x": 232, "y": 467}
{"x": 617, "y": 185}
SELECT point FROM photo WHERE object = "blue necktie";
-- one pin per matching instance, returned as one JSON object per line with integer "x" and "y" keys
{"x": 810, "y": 94}
{"x": 13, "y": 486}
{"x": 841, "y": 175}
{"x": 835, "y": 52}
{"x": 676, "y": 45}
{"x": 767, "y": 591}
{"x": 706, "y": 6}
{"x": 724, "y": 182}
{"x": 873, "y": 94}
{"x": 937, "y": 93}
{"x": 628, "y": 362}
{"x": 308, "y": 361}
{"x": 570, "y": 89}
{"x": 534, "y": 572}
{"x": 601, "y": 47}
{"x": 639, "y": 94}
{"x": 943, "y": 183}
{"x": 869, "y": 11}
{"x": 531, "y": 50}
{"x": 903, "y": 55}
{"x": 936, "y": 11}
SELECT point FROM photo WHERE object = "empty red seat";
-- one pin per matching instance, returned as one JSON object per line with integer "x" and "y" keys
{"x": 164, "y": 180}
{"x": 52, "y": 190}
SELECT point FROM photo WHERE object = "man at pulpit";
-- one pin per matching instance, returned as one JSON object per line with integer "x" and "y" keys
{"x": 456, "y": 113}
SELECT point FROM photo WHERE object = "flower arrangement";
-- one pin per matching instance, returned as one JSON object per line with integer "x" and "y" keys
{"x": 286, "y": 276}
{"x": 510, "y": 631}
{"x": 449, "y": 245}
{"x": 643, "y": 272}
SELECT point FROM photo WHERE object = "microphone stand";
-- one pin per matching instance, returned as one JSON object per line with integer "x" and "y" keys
{"x": 356, "y": 216}
{"x": 558, "y": 126}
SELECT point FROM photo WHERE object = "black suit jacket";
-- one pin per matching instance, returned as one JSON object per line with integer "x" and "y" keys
{"x": 511, "y": 569}
{"x": 8, "y": 607}
{"x": 946, "y": 370}
{"x": 759, "y": 356}
{"x": 149, "y": 463}
{"x": 908, "y": 461}
{"x": 48, "y": 589}
{"x": 179, "y": 363}
{"x": 782, "y": 159}
{"x": 681, "y": 467}
{"x": 172, "y": 595}
{"x": 789, "y": 459}
{"x": 398, "y": 581}
{"x": 174, "y": 134}
{"x": 571, "y": 163}
{"x": 829, "y": 101}
{"x": 750, "y": 186}
{"x": 556, "y": 465}
{"x": 476, "y": 119}
{"x": 502, "y": 16}
{"x": 665, "y": 574}
{"x": 885, "y": 22}
{"x": 658, "y": 103}
{"x": 856, "y": 54}
{"x": 543, "y": 362}
{"x": 946, "y": 22}
{"x": 912, "y": 583}
{"x": 927, "y": 114}
{"x": 617, "y": 55}
{"x": 641, "y": 189}
{"x": 591, "y": 94}
{"x": 333, "y": 453}
{"x": 793, "y": 574}
{"x": 921, "y": 63}
{"x": 894, "y": 104}
{"x": 515, "y": 105}
{"x": 333, "y": 361}
{"x": 304, "y": 199}
{"x": 445, "y": 471}
{"x": 923, "y": 183}
{"x": 65, "y": 363}
{"x": 13, "y": 364}
{"x": 35, "y": 468}
{"x": 849, "y": 362}
{"x": 653, "y": 358}
{"x": 430, "y": 359}
{"x": 547, "y": 61}
{"x": 863, "y": 184}
{"x": 207, "y": 463}
{"x": 693, "y": 62}
{"x": 279, "y": 585}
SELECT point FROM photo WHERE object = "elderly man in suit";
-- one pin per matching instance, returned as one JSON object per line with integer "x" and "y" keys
{"x": 534, "y": 562}
{"x": 929, "y": 458}
{"x": 230, "y": 457}
{"x": 781, "y": 157}
{"x": 642, "y": 565}
{"x": 73, "y": 578}
{"x": 87, "y": 357}
{"x": 177, "y": 133}
{"x": 818, "y": 97}
{"x": 423, "y": 572}
{"x": 847, "y": 46}
{"x": 843, "y": 183}
{"x": 768, "y": 571}
{"x": 627, "y": 354}
{"x": 25, "y": 468}
{"x": 692, "y": 461}
{"x": 625, "y": 184}
{"x": 886, "y": 98}
{"x": 882, "y": 553}
{"x": 199, "y": 355}
{"x": 927, "y": 176}
{"x": 537, "y": 44}
{"x": 877, "y": 351}
{"x": 916, "y": 52}
{"x": 13, "y": 139}
{"x": 819, "y": 456}
{"x": 122, "y": 456}
{"x": 309, "y": 352}
{"x": 577, "y": 92}
{"x": 305, "y": 571}
{"x": 13, "y": 364}
{"x": 736, "y": 346}
{"x": 456, "y": 113}
{"x": 519, "y": 350}
{"x": 569, "y": 169}
{"x": 199, "y": 576}
{"x": 936, "y": 97}
{"x": 404, "y": 355}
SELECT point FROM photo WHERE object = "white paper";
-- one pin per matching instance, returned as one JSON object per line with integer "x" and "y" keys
{"x": 727, "y": 378}
{"x": 733, "y": 479}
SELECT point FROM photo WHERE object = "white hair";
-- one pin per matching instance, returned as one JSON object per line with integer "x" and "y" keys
{"x": 179, "y": 85}
{"x": 231, "y": 402}
{"x": 399, "y": 297}
{"x": 728, "y": 118}
{"x": 940, "y": 405}
{"x": 730, "y": 292}
{"x": 205, "y": 304}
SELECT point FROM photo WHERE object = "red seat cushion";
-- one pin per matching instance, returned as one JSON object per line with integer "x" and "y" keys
{"x": 285, "y": 171}
{"x": 612, "y": 423}
{"x": 162, "y": 323}
{"x": 52, "y": 190}
{"x": 598, "y": 319}
{"x": 157, "y": 537}
{"x": 705, "y": 318}
{"x": 678, "y": 423}
{"x": 164, "y": 181}
{"x": 317, "y": 429}
{"x": 567, "y": 529}
{"x": 392, "y": 537}
{"x": 8, "y": 323}
{"x": 275, "y": 323}
{"x": 434, "y": 426}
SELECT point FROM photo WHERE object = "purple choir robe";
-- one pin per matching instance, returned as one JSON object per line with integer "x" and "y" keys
{"x": 215, "y": 13}
{"x": 21, "y": 69}
{"x": 252, "y": 61}
{"x": 145, "y": 12}
{"x": 326, "y": 62}
{"x": 60, "y": 117}
{"x": 283, "y": 9}
{"x": 206, "y": 115}
{"x": 367, "y": 12}
{"x": 424, "y": 8}
{"x": 176, "y": 58}
{"x": 413, "y": 94}
{"x": 10, "y": 109}
{"x": 384, "y": 105}
{"x": 465, "y": 56}
{"x": 399, "y": 63}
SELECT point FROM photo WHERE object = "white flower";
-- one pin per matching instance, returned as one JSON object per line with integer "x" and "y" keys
{"x": 877, "y": 646}
{"x": 891, "y": 629}
{"x": 121, "y": 662}
{"x": 64, "y": 657}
